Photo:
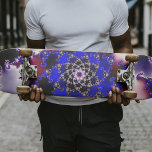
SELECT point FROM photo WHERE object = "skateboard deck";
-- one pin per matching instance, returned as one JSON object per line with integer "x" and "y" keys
{"x": 74, "y": 73}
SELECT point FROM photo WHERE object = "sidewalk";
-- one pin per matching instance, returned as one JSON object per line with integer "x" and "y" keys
{"x": 19, "y": 126}
{"x": 137, "y": 127}
{"x": 140, "y": 51}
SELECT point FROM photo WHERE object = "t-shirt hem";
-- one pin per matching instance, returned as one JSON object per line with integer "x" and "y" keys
{"x": 77, "y": 103}
{"x": 35, "y": 37}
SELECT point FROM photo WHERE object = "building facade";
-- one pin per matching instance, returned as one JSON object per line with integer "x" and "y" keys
{"x": 148, "y": 25}
{"x": 136, "y": 11}
{"x": 12, "y": 27}
{"x": 140, "y": 21}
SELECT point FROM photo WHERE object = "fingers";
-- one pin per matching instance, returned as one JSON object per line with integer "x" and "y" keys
{"x": 42, "y": 95}
{"x": 110, "y": 97}
{"x": 114, "y": 96}
{"x": 118, "y": 96}
{"x": 36, "y": 94}
{"x": 39, "y": 96}
{"x": 33, "y": 93}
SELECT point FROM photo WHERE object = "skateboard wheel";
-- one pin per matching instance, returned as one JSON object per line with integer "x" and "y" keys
{"x": 132, "y": 58}
{"x": 23, "y": 89}
{"x": 26, "y": 52}
{"x": 130, "y": 94}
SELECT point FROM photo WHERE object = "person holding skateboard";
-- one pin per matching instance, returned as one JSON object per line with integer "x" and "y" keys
{"x": 71, "y": 124}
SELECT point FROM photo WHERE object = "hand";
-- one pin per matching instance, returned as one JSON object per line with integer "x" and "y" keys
{"x": 117, "y": 98}
{"x": 36, "y": 94}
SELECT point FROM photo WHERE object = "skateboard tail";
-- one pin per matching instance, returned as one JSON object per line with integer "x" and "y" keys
{"x": 143, "y": 77}
{"x": 9, "y": 80}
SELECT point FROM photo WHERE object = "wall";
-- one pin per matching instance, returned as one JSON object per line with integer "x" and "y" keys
{"x": 147, "y": 21}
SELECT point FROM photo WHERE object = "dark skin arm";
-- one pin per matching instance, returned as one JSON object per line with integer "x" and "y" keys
{"x": 121, "y": 44}
{"x": 37, "y": 44}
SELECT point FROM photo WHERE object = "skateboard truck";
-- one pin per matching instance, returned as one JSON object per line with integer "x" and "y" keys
{"x": 127, "y": 76}
{"x": 27, "y": 71}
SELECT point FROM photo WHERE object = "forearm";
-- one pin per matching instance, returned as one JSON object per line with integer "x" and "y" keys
{"x": 124, "y": 47}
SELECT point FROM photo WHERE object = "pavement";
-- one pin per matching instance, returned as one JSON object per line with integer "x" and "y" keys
{"x": 19, "y": 125}
{"x": 20, "y": 128}
{"x": 137, "y": 127}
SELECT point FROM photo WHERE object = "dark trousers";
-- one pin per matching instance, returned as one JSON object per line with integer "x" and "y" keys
{"x": 91, "y": 128}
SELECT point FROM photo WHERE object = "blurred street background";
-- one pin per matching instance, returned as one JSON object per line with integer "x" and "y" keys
{"x": 19, "y": 124}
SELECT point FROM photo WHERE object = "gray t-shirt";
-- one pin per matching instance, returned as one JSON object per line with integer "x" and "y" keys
{"x": 80, "y": 25}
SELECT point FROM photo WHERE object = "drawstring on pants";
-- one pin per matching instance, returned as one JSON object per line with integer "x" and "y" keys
{"x": 80, "y": 115}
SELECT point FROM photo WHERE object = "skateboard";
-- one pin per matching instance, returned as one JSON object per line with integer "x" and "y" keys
{"x": 75, "y": 73}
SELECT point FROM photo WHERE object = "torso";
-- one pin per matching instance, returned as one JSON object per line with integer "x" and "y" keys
{"x": 76, "y": 25}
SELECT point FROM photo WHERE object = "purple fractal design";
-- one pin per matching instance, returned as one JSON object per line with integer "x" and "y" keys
{"x": 79, "y": 76}
{"x": 75, "y": 73}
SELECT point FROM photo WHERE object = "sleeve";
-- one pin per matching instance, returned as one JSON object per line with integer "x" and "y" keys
{"x": 33, "y": 28}
{"x": 120, "y": 22}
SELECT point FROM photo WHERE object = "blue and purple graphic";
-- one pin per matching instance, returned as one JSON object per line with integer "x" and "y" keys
{"x": 75, "y": 74}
